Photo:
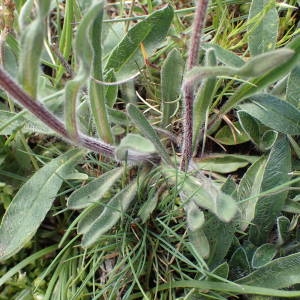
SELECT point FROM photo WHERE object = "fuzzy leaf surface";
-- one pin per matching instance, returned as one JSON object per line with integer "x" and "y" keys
{"x": 32, "y": 202}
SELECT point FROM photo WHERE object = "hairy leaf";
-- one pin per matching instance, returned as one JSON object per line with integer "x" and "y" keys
{"x": 94, "y": 190}
{"x": 32, "y": 202}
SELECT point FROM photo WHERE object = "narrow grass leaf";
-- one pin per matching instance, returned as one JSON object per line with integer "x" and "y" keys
{"x": 269, "y": 207}
{"x": 127, "y": 58}
{"x": 94, "y": 190}
{"x": 238, "y": 289}
{"x": 263, "y": 33}
{"x": 274, "y": 113}
{"x": 279, "y": 273}
{"x": 111, "y": 214}
{"x": 144, "y": 126}
{"x": 171, "y": 78}
{"x": 17, "y": 269}
{"x": 32, "y": 202}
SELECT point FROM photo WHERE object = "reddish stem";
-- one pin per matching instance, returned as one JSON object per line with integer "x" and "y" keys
{"x": 188, "y": 89}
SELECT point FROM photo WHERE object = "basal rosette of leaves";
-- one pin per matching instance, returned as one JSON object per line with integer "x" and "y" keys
{"x": 235, "y": 235}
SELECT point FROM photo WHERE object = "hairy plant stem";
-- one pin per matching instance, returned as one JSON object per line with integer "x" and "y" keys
{"x": 188, "y": 89}
{"x": 48, "y": 118}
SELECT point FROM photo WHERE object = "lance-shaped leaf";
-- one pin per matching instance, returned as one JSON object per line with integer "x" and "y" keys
{"x": 263, "y": 33}
{"x": 111, "y": 214}
{"x": 257, "y": 84}
{"x": 127, "y": 58}
{"x": 249, "y": 187}
{"x": 171, "y": 78}
{"x": 263, "y": 255}
{"x": 293, "y": 87}
{"x": 94, "y": 190}
{"x": 32, "y": 202}
{"x": 32, "y": 39}
{"x": 256, "y": 66}
{"x": 279, "y": 273}
{"x": 224, "y": 56}
{"x": 274, "y": 113}
{"x": 269, "y": 206}
{"x": 203, "y": 99}
{"x": 144, "y": 126}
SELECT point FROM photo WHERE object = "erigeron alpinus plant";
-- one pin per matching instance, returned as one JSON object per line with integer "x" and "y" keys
{"x": 213, "y": 211}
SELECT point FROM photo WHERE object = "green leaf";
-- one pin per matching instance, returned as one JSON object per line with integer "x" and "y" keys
{"x": 263, "y": 33}
{"x": 11, "y": 122}
{"x": 279, "y": 273}
{"x": 293, "y": 87}
{"x": 224, "y": 163}
{"x": 200, "y": 242}
{"x": 171, "y": 78}
{"x": 32, "y": 202}
{"x": 203, "y": 99}
{"x": 256, "y": 66}
{"x": 238, "y": 289}
{"x": 258, "y": 133}
{"x": 257, "y": 84}
{"x": 204, "y": 193}
{"x": 194, "y": 215}
{"x": 274, "y": 113}
{"x": 226, "y": 57}
{"x": 219, "y": 236}
{"x": 221, "y": 270}
{"x": 229, "y": 136}
{"x": 88, "y": 217}
{"x": 134, "y": 142}
{"x": 283, "y": 225}
{"x": 144, "y": 126}
{"x": 292, "y": 206}
{"x": 111, "y": 214}
{"x": 260, "y": 64}
{"x": 94, "y": 190}
{"x": 148, "y": 207}
{"x": 263, "y": 255}
{"x": 126, "y": 59}
{"x": 249, "y": 187}
{"x": 111, "y": 92}
{"x": 239, "y": 264}
{"x": 32, "y": 40}
{"x": 269, "y": 206}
